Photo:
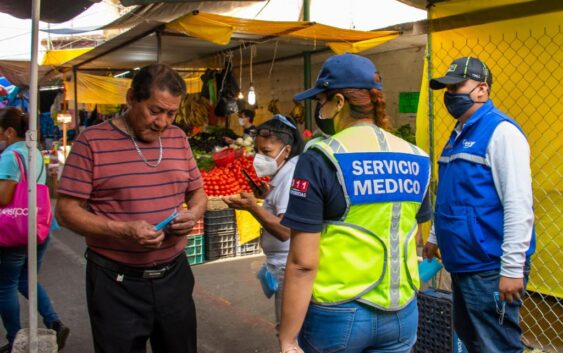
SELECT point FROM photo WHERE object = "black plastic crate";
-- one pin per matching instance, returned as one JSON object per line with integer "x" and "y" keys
{"x": 219, "y": 221}
{"x": 250, "y": 248}
{"x": 220, "y": 244}
{"x": 435, "y": 323}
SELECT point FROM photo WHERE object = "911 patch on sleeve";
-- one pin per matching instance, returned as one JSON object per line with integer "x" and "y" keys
{"x": 299, "y": 187}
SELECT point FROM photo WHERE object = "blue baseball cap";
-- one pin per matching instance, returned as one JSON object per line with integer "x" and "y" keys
{"x": 343, "y": 71}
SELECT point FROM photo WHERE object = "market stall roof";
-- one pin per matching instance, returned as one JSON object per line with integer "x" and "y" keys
{"x": 53, "y": 11}
{"x": 199, "y": 38}
{"x": 18, "y": 72}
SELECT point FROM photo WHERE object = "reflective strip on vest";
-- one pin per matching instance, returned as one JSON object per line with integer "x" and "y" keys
{"x": 465, "y": 156}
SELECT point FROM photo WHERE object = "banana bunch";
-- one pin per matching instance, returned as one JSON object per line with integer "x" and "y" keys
{"x": 193, "y": 111}
{"x": 273, "y": 106}
{"x": 298, "y": 112}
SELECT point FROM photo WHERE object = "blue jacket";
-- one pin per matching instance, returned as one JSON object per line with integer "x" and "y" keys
{"x": 469, "y": 216}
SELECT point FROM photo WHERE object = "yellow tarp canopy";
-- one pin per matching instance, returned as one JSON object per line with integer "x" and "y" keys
{"x": 111, "y": 90}
{"x": 525, "y": 56}
{"x": 59, "y": 57}
{"x": 219, "y": 30}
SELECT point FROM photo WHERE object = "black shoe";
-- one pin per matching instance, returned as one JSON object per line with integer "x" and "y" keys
{"x": 62, "y": 333}
{"x": 6, "y": 349}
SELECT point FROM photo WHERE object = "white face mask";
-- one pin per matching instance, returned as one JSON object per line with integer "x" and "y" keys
{"x": 241, "y": 121}
{"x": 266, "y": 166}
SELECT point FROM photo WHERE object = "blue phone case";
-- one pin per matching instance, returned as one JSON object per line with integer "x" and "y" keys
{"x": 164, "y": 223}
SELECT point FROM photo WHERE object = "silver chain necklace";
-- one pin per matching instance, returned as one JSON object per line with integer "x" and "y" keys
{"x": 139, "y": 150}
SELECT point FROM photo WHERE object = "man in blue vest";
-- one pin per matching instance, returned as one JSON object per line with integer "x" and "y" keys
{"x": 484, "y": 221}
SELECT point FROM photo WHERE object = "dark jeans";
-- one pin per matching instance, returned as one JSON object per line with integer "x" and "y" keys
{"x": 126, "y": 312}
{"x": 357, "y": 328}
{"x": 14, "y": 278}
{"x": 478, "y": 318}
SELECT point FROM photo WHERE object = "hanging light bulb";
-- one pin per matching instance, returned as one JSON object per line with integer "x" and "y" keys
{"x": 251, "y": 95}
{"x": 240, "y": 95}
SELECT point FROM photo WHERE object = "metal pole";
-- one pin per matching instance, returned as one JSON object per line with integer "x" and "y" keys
{"x": 158, "y": 46}
{"x": 31, "y": 142}
{"x": 307, "y": 70}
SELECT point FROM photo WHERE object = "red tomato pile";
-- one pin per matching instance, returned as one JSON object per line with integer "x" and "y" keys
{"x": 229, "y": 180}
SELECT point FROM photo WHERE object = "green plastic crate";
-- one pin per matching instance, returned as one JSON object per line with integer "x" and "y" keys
{"x": 194, "y": 249}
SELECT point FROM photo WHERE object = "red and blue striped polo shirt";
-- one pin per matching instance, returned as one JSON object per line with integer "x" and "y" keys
{"x": 105, "y": 169}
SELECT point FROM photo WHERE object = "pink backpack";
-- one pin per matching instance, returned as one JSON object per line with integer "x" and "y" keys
{"x": 13, "y": 217}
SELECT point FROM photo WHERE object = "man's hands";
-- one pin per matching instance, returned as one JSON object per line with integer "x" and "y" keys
{"x": 143, "y": 233}
{"x": 510, "y": 289}
{"x": 182, "y": 224}
{"x": 429, "y": 250}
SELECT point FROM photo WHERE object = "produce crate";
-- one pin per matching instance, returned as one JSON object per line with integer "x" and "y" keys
{"x": 250, "y": 248}
{"x": 195, "y": 249}
{"x": 435, "y": 323}
{"x": 220, "y": 244}
{"x": 219, "y": 221}
{"x": 227, "y": 156}
{"x": 198, "y": 228}
{"x": 215, "y": 203}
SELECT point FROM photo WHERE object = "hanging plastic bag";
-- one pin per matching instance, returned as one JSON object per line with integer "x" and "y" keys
{"x": 268, "y": 281}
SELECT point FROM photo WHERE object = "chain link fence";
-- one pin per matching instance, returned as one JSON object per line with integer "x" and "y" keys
{"x": 527, "y": 68}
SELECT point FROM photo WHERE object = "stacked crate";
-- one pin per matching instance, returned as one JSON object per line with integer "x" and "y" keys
{"x": 220, "y": 234}
{"x": 195, "y": 246}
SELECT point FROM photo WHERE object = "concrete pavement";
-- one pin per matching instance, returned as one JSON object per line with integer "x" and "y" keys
{"x": 233, "y": 314}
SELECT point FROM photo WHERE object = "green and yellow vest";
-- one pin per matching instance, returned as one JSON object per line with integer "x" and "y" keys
{"x": 369, "y": 255}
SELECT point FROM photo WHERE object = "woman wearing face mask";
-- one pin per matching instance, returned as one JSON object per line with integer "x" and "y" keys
{"x": 13, "y": 261}
{"x": 352, "y": 269}
{"x": 278, "y": 145}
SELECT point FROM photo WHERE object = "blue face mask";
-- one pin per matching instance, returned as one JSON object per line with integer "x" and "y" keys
{"x": 459, "y": 103}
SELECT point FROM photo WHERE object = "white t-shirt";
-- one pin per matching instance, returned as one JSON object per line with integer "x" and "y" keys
{"x": 276, "y": 203}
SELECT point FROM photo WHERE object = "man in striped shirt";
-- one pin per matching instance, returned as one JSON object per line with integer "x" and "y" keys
{"x": 121, "y": 178}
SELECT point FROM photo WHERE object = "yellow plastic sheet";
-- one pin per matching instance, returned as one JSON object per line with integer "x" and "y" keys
{"x": 219, "y": 30}
{"x": 525, "y": 56}
{"x": 248, "y": 227}
{"x": 59, "y": 57}
{"x": 99, "y": 89}
{"x": 358, "y": 47}
{"x": 111, "y": 90}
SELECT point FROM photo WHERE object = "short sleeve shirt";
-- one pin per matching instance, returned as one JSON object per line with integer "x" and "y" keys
{"x": 105, "y": 169}
{"x": 9, "y": 169}
{"x": 317, "y": 196}
{"x": 276, "y": 204}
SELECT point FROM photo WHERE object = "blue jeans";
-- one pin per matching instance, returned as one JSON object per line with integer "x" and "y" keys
{"x": 13, "y": 278}
{"x": 482, "y": 323}
{"x": 358, "y": 328}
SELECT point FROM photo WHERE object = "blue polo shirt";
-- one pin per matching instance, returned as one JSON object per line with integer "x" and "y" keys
{"x": 9, "y": 169}
{"x": 320, "y": 196}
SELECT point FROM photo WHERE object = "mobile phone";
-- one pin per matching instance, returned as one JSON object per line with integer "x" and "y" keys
{"x": 167, "y": 221}
{"x": 255, "y": 187}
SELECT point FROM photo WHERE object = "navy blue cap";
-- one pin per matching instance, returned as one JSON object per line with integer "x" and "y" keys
{"x": 463, "y": 69}
{"x": 343, "y": 71}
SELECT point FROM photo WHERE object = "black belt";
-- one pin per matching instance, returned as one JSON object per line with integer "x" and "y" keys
{"x": 124, "y": 270}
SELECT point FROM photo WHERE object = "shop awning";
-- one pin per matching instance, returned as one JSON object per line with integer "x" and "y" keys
{"x": 220, "y": 29}
{"x": 201, "y": 39}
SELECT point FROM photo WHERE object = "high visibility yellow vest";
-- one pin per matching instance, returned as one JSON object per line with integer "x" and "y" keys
{"x": 369, "y": 255}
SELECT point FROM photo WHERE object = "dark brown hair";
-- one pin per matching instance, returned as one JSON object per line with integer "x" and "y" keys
{"x": 158, "y": 76}
{"x": 14, "y": 118}
{"x": 365, "y": 104}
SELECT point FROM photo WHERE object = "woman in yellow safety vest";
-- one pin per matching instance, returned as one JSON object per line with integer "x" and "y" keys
{"x": 355, "y": 202}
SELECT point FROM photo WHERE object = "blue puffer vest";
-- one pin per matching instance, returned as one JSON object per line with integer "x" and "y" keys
{"x": 469, "y": 215}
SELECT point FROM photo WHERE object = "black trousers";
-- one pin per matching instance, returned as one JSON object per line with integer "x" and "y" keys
{"x": 126, "y": 312}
